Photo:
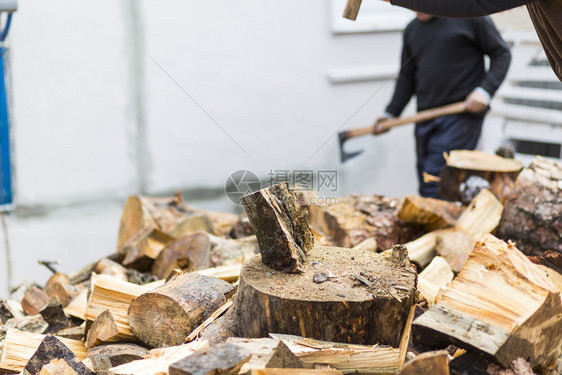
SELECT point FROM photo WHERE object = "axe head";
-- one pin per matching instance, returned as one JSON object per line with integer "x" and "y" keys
{"x": 345, "y": 156}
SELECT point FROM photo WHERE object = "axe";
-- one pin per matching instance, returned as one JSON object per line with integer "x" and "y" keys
{"x": 421, "y": 116}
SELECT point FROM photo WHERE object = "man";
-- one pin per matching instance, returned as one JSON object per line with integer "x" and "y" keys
{"x": 545, "y": 14}
{"x": 443, "y": 62}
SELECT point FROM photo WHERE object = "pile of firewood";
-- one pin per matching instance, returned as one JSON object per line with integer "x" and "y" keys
{"x": 370, "y": 284}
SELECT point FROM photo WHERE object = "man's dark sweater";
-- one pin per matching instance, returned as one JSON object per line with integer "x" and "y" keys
{"x": 443, "y": 62}
{"x": 545, "y": 14}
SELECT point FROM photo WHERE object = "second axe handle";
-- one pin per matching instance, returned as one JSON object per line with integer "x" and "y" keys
{"x": 428, "y": 114}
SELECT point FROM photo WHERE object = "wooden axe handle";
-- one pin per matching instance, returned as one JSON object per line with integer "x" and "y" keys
{"x": 421, "y": 116}
{"x": 352, "y": 9}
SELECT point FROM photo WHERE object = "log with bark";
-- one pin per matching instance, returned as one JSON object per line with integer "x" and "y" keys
{"x": 462, "y": 164}
{"x": 342, "y": 295}
{"x": 432, "y": 213}
{"x": 532, "y": 215}
{"x": 353, "y": 219}
{"x": 143, "y": 248}
{"x": 34, "y": 300}
{"x": 280, "y": 225}
{"x": 157, "y": 361}
{"x": 54, "y": 315}
{"x": 104, "y": 357}
{"x": 166, "y": 315}
{"x": 20, "y": 346}
{"x": 500, "y": 305}
{"x": 52, "y": 349}
{"x": 191, "y": 252}
{"x": 225, "y": 359}
{"x": 348, "y": 358}
{"x": 59, "y": 286}
{"x": 103, "y": 330}
{"x": 107, "y": 293}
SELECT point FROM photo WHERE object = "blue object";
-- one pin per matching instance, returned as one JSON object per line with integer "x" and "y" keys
{"x": 6, "y": 196}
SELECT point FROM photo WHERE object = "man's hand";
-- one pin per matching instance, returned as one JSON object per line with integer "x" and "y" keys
{"x": 477, "y": 102}
{"x": 379, "y": 128}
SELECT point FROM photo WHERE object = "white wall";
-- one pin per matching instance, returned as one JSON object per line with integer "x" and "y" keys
{"x": 90, "y": 101}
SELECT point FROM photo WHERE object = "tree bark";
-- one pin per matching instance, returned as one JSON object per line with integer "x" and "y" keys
{"x": 532, "y": 216}
{"x": 343, "y": 295}
{"x": 166, "y": 315}
{"x": 279, "y": 222}
{"x": 50, "y": 349}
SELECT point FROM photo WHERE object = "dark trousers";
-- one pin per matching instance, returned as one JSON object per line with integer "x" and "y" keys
{"x": 456, "y": 132}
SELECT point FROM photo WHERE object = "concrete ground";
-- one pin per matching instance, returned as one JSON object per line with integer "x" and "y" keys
{"x": 75, "y": 235}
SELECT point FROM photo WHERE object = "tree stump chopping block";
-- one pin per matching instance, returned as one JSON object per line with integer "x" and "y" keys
{"x": 280, "y": 225}
{"x": 165, "y": 315}
{"x": 342, "y": 295}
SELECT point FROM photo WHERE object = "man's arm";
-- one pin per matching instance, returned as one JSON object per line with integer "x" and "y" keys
{"x": 405, "y": 84}
{"x": 492, "y": 44}
{"x": 460, "y": 8}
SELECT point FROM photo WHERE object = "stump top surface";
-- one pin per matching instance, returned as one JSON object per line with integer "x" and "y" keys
{"x": 339, "y": 266}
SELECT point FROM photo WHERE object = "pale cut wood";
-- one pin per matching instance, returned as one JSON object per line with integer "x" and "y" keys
{"x": 191, "y": 252}
{"x": 106, "y": 266}
{"x": 481, "y": 161}
{"x": 501, "y": 305}
{"x": 482, "y": 215}
{"x": 434, "y": 363}
{"x": 348, "y": 358}
{"x": 432, "y": 213}
{"x": 279, "y": 222}
{"x": 224, "y": 359}
{"x": 317, "y": 305}
{"x": 226, "y": 273}
{"x": 422, "y": 250}
{"x": 78, "y": 306}
{"x": 405, "y": 340}
{"x": 52, "y": 348}
{"x": 143, "y": 248}
{"x": 166, "y": 315}
{"x": 370, "y": 244}
{"x": 34, "y": 300}
{"x": 103, "y": 330}
{"x": 192, "y": 224}
{"x": 57, "y": 367}
{"x": 352, "y": 9}
{"x": 433, "y": 280}
{"x": 108, "y": 293}
{"x": 266, "y": 353}
{"x": 19, "y": 347}
{"x": 454, "y": 246}
{"x": 158, "y": 360}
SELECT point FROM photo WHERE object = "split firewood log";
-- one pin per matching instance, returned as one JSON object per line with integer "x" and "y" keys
{"x": 280, "y": 225}
{"x": 103, "y": 330}
{"x": 51, "y": 348}
{"x": 54, "y": 315}
{"x": 75, "y": 333}
{"x": 462, "y": 164}
{"x": 59, "y": 286}
{"x": 193, "y": 224}
{"x": 435, "y": 363}
{"x": 106, "y": 266}
{"x": 20, "y": 346}
{"x": 5, "y": 312}
{"x": 289, "y": 371}
{"x": 221, "y": 329}
{"x": 532, "y": 215}
{"x": 342, "y": 295}
{"x": 225, "y": 359}
{"x": 165, "y": 315}
{"x": 500, "y": 305}
{"x": 157, "y": 361}
{"x": 266, "y": 353}
{"x": 190, "y": 253}
{"x": 78, "y": 305}
{"x": 143, "y": 248}
{"x": 433, "y": 280}
{"x": 57, "y": 367}
{"x": 348, "y": 358}
{"x": 454, "y": 246}
{"x": 353, "y": 219}
{"x": 432, "y": 213}
{"x": 107, "y": 293}
{"x": 104, "y": 357}
{"x": 230, "y": 252}
{"x": 34, "y": 300}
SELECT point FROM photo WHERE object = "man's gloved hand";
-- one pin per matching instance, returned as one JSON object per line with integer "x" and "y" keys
{"x": 477, "y": 101}
{"x": 378, "y": 127}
